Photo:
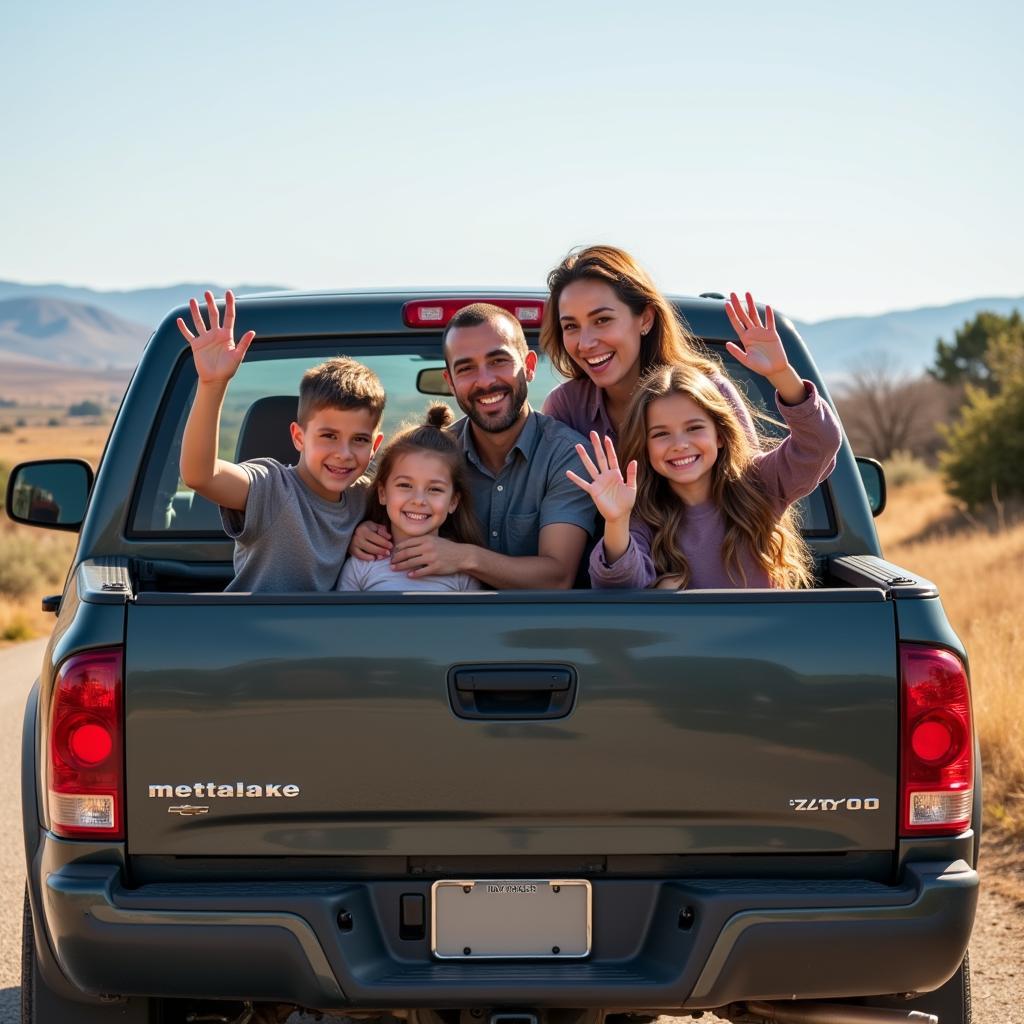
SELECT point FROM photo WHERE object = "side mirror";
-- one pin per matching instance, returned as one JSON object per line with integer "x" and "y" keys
{"x": 432, "y": 382}
{"x": 51, "y": 493}
{"x": 873, "y": 477}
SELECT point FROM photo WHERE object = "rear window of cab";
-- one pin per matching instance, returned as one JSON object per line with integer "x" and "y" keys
{"x": 266, "y": 386}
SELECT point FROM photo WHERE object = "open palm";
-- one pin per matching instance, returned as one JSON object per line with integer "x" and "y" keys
{"x": 214, "y": 350}
{"x": 760, "y": 347}
{"x": 613, "y": 495}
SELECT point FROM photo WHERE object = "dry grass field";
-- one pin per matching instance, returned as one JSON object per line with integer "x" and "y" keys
{"x": 34, "y": 562}
{"x": 83, "y": 440}
{"x": 978, "y": 565}
{"x": 37, "y": 385}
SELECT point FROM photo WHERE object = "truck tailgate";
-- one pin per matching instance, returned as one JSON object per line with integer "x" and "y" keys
{"x": 747, "y": 722}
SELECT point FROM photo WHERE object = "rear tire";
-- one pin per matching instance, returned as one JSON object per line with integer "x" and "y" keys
{"x": 41, "y": 1005}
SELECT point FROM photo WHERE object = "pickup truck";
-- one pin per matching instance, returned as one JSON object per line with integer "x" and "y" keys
{"x": 489, "y": 807}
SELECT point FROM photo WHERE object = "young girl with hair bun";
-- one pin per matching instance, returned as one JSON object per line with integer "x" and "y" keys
{"x": 700, "y": 507}
{"x": 421, "y": 490}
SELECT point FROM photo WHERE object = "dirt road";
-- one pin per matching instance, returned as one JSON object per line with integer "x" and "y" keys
{"x": 19, "y": 667}
{"x": 997, "y": 949}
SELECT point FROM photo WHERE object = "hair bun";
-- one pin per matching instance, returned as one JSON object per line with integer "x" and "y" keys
{"x": 439, "y": 415}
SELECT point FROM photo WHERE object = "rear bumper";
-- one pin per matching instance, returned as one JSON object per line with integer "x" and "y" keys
{"x": 749, "y": 939}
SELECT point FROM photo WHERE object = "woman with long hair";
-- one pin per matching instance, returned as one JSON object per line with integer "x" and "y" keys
{"x": 605, "y": 325}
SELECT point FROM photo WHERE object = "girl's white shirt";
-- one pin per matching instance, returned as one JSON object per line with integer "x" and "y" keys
{"x": 359, "y": 575}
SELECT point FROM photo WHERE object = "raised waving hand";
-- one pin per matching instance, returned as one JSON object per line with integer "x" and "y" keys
{"x": 613, "y": 495}
{"x": 760, "y": 347}
{"x": 761, "y": 350}
{"x": 214, "y": 349}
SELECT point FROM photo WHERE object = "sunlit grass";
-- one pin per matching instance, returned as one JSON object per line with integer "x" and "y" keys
{"x": 979, "y": 569}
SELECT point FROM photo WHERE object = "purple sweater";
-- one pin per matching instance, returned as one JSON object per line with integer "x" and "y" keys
{"x": 790, "y": 471}
{"x": 579, "y": 403}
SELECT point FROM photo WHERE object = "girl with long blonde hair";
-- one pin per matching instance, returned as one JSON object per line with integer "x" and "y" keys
{"x": 700, "y": 506}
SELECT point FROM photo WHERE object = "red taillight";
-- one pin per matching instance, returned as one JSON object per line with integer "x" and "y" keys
{"x": 937, "y": 761}
{"x": 86, "y": 776}
{"x": 437, "y": 312}
{"x": 91, "y": 744}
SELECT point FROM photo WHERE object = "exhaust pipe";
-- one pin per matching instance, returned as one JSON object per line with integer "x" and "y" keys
{"x": 834, "y": 1013}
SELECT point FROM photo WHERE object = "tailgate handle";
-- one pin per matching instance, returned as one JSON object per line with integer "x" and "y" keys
{"x": 512, "y": 691}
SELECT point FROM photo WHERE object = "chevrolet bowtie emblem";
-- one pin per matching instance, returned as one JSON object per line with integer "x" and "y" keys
{"x": 187, "y": 810}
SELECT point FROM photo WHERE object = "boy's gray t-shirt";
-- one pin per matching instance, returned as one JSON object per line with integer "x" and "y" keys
{"x": 288, "y": 538}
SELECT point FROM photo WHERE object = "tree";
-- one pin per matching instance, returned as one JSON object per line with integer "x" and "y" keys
{"x": 886, "y": 411}
{"x": 85, "y": 408}
{"x": 966, "y": 359}
{"x": 984, "y": 454}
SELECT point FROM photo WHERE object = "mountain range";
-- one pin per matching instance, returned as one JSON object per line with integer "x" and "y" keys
{"x": 73, "y": 334}
{"x": 84, "y": 328}
{"x": 146, "y": 306}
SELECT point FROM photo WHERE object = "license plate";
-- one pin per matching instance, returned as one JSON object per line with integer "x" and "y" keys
{"x": 501, "y": 918}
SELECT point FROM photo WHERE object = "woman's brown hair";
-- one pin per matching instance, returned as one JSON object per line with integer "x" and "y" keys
{"x": 753, "y": 523}
{"x": 668, "y": 342}
{"x": 431, "y": 437}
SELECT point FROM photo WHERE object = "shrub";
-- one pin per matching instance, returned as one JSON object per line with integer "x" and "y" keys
{"x": 53, "y": 422}
{"x": 27, "y": 562}
{"x": 85, "y": 408}
{"x": 18, "y": 571}
{"x": 17, "y": 627}
{"x": 902, "y": 467}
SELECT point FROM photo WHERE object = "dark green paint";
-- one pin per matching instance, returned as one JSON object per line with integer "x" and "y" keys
{"x": 694, "y": 727}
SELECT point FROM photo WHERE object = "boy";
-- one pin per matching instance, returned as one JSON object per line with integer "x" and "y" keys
{"x": 291, "y": 524}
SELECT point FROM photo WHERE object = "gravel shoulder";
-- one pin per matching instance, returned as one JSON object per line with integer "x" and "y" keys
{"x": 997, "y": 943}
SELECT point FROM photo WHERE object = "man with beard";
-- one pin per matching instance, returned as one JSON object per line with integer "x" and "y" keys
{"x": 535, "y": 525}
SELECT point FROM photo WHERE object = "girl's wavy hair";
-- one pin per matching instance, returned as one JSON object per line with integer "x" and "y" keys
{"x": 432, "y": 437}
{"x": 669, "y": 342}
{"x": 753, "y": 523}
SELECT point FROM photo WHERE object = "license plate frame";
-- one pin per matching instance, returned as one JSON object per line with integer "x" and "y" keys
{"x": 499, "y": 918}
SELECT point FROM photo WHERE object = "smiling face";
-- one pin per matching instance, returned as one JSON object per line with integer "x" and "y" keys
{"x": 488, "y": 374}
{"x": 418, "y": 494}
{"x": 335, "y": 447}
{"x": 601, "y": 334}
{"x": 682, "y": 446}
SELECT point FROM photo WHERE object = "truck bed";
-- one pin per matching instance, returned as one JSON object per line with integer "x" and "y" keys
{"x": 689, "y": 723}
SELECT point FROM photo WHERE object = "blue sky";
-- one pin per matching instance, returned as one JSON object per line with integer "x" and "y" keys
{"x": 833, "y": 160}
